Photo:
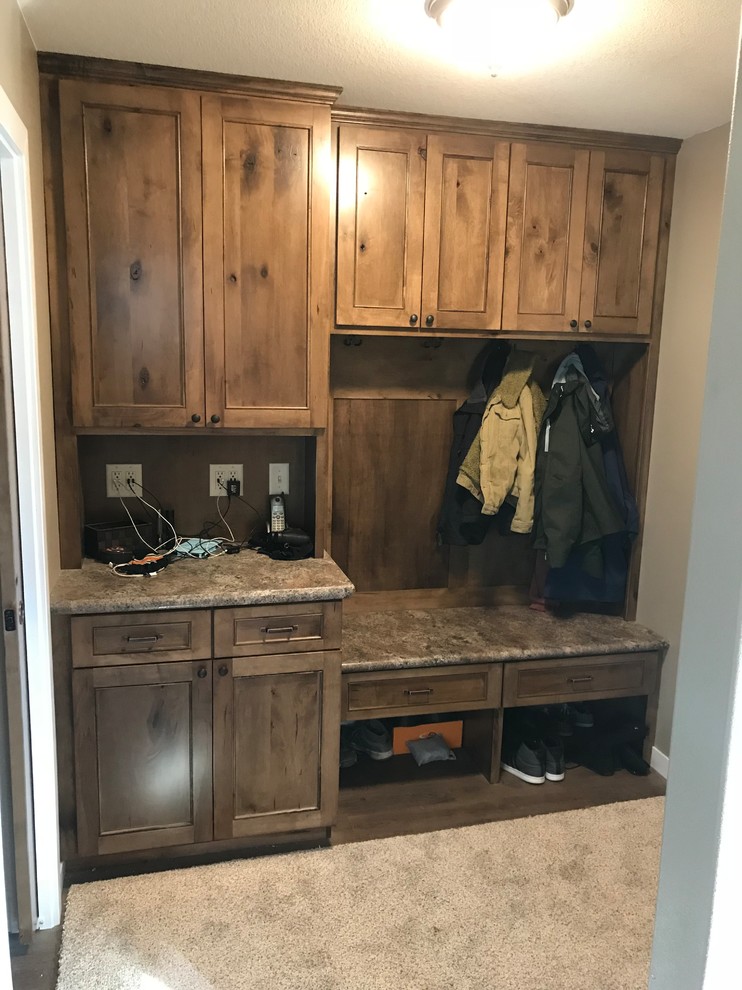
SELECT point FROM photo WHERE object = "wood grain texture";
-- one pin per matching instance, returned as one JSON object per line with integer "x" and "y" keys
{"x": 142, "y": 756}
{"x": 145, "y": 637}
{"x": 132, "y": 178}
{"x": 402, "y": 692}
{"x": 465, "y": 209}
{"x": 380, "y": 208}
{"x": 140, "y": 73}
{"x": 504, "y": 130}
{"x": 265, "y": 630}
{"x": 266, "y": 270}
{"x": 69, "y": 496}
{"x": 276, "y": 739}
{"x": 545, "y": 229}
{"x": 547, "y": 682}
{"x": 385, "y": 515}
{"x": 621, "y": 241}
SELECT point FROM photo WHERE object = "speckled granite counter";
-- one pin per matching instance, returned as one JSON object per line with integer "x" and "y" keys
{"x": 241, "y": 579}
{"x": 436, "y": 637}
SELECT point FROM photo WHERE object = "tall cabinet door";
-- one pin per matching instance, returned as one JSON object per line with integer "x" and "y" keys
{"x": 132, "y": 198}
{"x": 465, "y": 208}
{"x": 545, "y": 232}
{"x": 381, "y": 194}
{"x": 621, "y": 239}
{"x": 142, "y": 756}
{"x": 266, "y": 261}
{"x": 276, "y": 743}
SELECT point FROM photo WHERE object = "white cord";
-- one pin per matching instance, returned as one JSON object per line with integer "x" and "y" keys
{"x": 224, "y": 521}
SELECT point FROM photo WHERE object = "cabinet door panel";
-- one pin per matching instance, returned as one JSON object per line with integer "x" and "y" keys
{"x": 621, "y": 241}
{"x": 265, "y": 261}
{"x": 381, "y": 188}
{"x": 276, "y": 739}
{"x": 132, "y": 177}
{"x": 545, "y": 230}
{"x": 142, "y": 756}
{"x": 465, "y": 207}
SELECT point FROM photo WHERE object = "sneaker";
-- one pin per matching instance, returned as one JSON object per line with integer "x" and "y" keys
{"x": 554, "y": 758}
{"x": 372, "y": 738}
{"x": 572, "y": 716}
{"x": 348, "y": 756}
{"x": 525, "y": 759}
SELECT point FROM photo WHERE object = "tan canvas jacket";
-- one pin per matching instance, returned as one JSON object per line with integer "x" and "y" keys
{"x": 502, "y": 459}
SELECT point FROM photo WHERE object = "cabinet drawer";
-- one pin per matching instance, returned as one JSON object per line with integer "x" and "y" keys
{"x": 265, "y": 630}
{"x": 538, "y": 682}
{"x": 385, "y": 694}
{"x": 108, "y": 640}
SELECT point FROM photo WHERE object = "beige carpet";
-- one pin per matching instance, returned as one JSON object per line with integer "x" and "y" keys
{"x": 558, "y": 902}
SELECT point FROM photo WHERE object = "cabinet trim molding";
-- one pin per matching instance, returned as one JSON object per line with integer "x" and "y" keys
{"x": 506, "y": 130}
{"x": 113, "y": 70}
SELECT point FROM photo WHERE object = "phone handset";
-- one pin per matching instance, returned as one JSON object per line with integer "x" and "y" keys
{"x": 278, "y": 514}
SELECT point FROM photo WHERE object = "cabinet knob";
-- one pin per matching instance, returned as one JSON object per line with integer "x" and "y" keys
{"x": 216, "y": 419}
{"x": 196, "y": 418}
{"x": 573, "y": 324}
{"x": 588, "y": 324}
{"x": 413, "y": 319}
{"x": 223, "y": 670}
{"x": 429, "y": 321}
{"x": 202, "y": 672}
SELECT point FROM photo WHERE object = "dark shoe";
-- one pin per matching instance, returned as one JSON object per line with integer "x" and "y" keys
{"x": 348, "y": 756}
{"x": 631, "y": 761}
{"x": 526, "y": 760}
{"x": 554, "y": 758}
{"x": 372, "y": 738}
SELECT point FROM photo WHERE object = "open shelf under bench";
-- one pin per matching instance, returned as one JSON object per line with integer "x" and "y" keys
{"x": 479, "y": 662}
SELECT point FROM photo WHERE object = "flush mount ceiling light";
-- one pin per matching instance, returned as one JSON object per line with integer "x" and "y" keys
{"x": 503, "y": 32}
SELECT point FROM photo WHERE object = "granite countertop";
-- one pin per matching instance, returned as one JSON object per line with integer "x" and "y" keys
{"x": 246, "y": 578}
{"x": 436, "y": 637}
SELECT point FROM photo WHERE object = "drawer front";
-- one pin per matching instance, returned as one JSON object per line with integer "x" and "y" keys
{"x": 380, "y": 694}
{"x": 263, "y": 631}
{"x": 109, "y": 640}
{"x": 549, "y": 681}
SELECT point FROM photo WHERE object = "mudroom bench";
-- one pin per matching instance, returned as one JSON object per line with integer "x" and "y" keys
{"x": 477, "y": 663}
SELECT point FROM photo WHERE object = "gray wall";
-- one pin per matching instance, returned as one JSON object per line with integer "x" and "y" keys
{"x": 694, "y": 242}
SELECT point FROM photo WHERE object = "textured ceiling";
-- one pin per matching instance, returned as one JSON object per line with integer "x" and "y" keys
{"x": 651, "y": 66}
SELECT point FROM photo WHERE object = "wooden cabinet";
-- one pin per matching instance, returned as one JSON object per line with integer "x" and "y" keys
{"x": 276, "y": 743}
{"x": 420, "y": 229}
{"x": 582, "y": 239}
{"x": 131, "y": 160}
{"x": 266, "y": 261}
{"x": 153, "y": 734}
{"x": 142, "y": 756}
{"x": 191, "y": 307}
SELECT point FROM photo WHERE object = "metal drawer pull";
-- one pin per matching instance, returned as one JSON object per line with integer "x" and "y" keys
{"x": 580, "y": 680}
{"x": 272, "y": 630}
{"x": 142, "y": 639}
{"x": 409, "y": 692}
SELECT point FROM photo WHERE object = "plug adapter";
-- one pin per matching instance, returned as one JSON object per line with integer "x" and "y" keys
{"x": 233, "y": 487}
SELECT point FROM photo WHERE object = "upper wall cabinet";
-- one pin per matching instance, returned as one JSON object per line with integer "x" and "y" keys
{"x": 132, "y": 191}
{"x": 420, "y": 243}
{"x": 199, "y": 281}
{"x": 582, "y": 239}
{"x": 266, "y": 261}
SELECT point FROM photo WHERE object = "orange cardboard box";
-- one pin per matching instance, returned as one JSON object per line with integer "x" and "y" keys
{"x": 451, "y": 732}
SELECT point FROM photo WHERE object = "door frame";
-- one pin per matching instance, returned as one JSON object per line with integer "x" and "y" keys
{"x": 17, "y": 209}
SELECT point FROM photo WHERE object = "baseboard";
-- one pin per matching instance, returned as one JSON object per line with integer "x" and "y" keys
{"x": 660, "y": 762}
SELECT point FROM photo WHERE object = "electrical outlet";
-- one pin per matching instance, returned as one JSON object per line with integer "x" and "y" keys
{"x": 117, "y": 478}
{"x": 220, "y": 474}
{"x": 278, "y": 479}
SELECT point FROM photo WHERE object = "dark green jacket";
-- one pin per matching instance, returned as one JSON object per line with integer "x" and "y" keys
{"x": 573, "y": 506}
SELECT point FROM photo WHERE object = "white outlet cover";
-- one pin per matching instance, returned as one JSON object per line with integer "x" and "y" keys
{"x": 220, "y": 474}
{"x": 116, "y": 475}
{"x": 278, "y": 479}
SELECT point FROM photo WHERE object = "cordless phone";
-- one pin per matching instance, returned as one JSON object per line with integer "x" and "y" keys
{"x": 278, "y": 514}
